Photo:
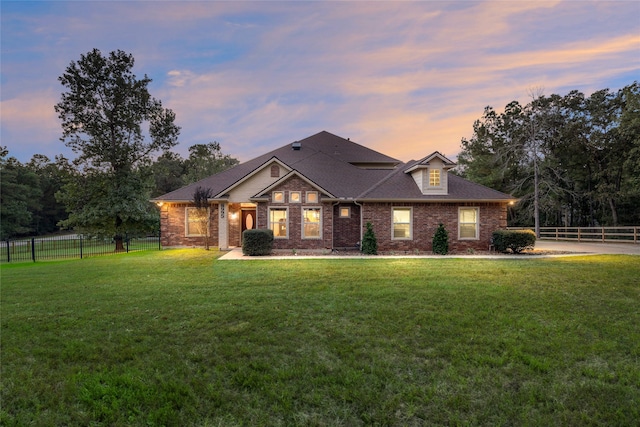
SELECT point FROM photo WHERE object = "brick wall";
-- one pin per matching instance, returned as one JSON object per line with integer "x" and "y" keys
{"x": 346, "y": 231}
{"x": 426, "y": 218}
{"x": 172, "y": 226}
{"x": 295, "y": 240}
{"x": 343, "y": 232}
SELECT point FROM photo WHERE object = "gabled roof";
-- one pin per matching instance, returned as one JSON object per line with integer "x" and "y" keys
{"x": 333, "y": 164}
{"x": 286, "y": 177}
{"x": 424, "y": 162}
{"x": 269, "y": 162}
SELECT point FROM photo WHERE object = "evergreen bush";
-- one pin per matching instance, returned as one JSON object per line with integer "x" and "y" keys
{"x": 369, "y": 241}
{"x": 513, "y": 240}
{"x": 441, "y": 241}
{"x": 257, "y": 242}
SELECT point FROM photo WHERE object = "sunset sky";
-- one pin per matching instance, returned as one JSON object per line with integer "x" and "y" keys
{"x": 403, "y": 78}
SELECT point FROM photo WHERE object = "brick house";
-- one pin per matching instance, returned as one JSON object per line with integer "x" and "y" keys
{"x": 320, "y": 192}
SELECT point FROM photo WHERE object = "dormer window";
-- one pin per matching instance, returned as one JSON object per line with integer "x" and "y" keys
{"x": 434, "y": 178}
{"x": 431, "y": 174}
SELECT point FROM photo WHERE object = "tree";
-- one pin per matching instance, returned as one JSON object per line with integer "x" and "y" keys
{"x": 441, "y": 241}
{"x": 19, "y": 196}
{"x": 103, "y": 112}
{"x": 168, "y": 172}
{"x": 369, "y": 241}
{"x": 572, "y": 160}
{"x": 201, "y": 198}
{"x": 205, "y": 160}
{"x": 51, "y": 177}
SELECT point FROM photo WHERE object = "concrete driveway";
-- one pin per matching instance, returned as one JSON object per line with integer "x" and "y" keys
{"x": 589, "y": 247}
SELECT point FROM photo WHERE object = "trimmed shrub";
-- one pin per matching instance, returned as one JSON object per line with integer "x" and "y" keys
{"x": 515, "y": 241}
{"x": 257, "y": 242}
{"x": 441, "y": 241}
{"x": 369, "y": 241}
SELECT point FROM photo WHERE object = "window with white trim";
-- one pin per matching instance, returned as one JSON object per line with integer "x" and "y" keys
{"x": 312, "y": 197}
{"x": 278, "y": 197}
{"x": 196, "y": 221}
{"x": 402, "y": 229}
{"x": 434, "y": 177}
{"x": 294, "y": 197}
{"x": 278, "y": 222}
{"x": 468, "y": 223}
{"x": 311, "y": 223}
{"x": 345, "y": 212}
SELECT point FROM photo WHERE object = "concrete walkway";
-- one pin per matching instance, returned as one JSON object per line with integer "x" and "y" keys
{"x": 575, "y": 248}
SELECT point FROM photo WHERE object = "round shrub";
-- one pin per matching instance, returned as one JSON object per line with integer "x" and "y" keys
{"x": 515, "y": 241}
{"x": 257, "y": 242}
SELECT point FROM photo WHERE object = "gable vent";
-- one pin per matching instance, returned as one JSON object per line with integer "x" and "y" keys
{"x": 296, "y": 145}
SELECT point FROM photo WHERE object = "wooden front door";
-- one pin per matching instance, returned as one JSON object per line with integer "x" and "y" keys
{"x": 248, "y": 219}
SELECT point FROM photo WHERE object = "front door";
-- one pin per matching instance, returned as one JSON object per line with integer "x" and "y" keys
{"x": 248, "y": 219}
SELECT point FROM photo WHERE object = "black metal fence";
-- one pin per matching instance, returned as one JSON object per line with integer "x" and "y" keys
{"x": 72, "y": 246}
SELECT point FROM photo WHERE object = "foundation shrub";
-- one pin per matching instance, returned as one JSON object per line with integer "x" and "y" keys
{"x": 441, "y": 241}
{"x": 257, "y": 242}
{"x": 514, "y": 241}
{"x": 369, "y": 241}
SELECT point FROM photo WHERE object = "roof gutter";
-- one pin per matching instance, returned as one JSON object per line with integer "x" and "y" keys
{"x": 388, "y": 200}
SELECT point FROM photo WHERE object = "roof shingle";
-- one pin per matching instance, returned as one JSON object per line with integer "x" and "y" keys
{"x": 330, "y": 161}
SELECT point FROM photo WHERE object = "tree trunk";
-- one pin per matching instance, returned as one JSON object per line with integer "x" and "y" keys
{"x": 614, "y": 211}
{"x": 119, "y": 243}
{"x": 118, "y": 237}
{"x": 536, "y": 197}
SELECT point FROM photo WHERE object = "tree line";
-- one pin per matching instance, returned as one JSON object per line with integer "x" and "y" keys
{"x": 572, "y": 160}
{"x": 32, "y": 199}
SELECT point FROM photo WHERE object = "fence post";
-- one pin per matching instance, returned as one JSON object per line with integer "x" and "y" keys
{"x": 159, "y": 239}
{"x": 8, "y": 252}
{"x": 126, "y": 239}
{"x": 33, "y": 249}
{"x": 80, "y": 245}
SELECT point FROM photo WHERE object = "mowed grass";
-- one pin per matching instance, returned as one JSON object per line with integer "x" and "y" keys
{"x": 179, "y": 338}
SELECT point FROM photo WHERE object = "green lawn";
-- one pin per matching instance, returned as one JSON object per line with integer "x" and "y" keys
{"x": 179, "y": 338}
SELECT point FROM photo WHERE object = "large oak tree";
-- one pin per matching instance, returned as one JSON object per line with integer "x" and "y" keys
{"x": 115, "y": 126}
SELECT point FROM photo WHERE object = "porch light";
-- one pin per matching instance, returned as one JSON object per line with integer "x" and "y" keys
{"x": 234, "y": 215}
{"x": 159, "y": 204}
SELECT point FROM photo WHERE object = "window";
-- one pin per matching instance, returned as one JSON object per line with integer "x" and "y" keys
{"x": 434, "y": 177}
{"x": 312, "y": 197}
{"x": 468, "y": 223}
{"x": 278, "y": 197}
{"x": 278, "y": 223}
{"x": 345, "y": 212}
{"x": 401, "y": 223}
{"x": 294, "y": 197}
{"x": 311, "y": 223}
{"x": 196, "y": 221}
